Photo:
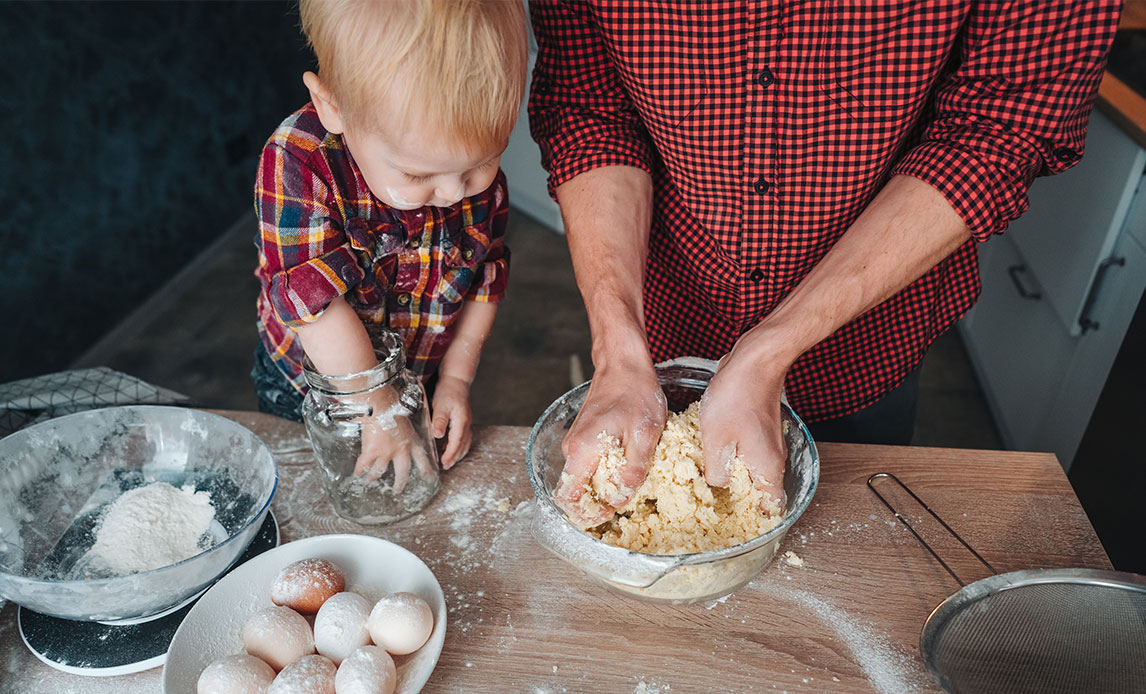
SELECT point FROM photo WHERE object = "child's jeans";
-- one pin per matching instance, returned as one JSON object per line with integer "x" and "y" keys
{"x": 275, "y": 393}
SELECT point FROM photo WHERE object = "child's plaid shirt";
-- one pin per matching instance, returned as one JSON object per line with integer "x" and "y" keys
{"x": 323, "y": 234}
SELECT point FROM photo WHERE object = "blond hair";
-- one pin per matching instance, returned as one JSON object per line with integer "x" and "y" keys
{"x": 463, "y": 63}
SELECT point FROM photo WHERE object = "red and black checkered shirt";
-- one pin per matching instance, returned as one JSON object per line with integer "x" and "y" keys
{"x": 323, "y": 234}
{"x": 768, "y": 127}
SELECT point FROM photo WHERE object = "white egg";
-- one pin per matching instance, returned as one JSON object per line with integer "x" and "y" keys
{"x": 340, "y": 625}
{"x": 400, "y": 623}
{"x": 368, "y": 670}
{"x": 278, "y": 635}
{"x": 310, "y": 674}
{"x": 235, "y": 674}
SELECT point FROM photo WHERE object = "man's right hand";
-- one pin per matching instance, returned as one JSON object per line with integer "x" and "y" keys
{"x": 626, "y": 402}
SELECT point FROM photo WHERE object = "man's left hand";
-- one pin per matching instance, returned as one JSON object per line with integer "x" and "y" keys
{"x": 740, "y": 415}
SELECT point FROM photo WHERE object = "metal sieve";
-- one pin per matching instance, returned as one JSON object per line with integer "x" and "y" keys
{"x": 1039, "y": 631}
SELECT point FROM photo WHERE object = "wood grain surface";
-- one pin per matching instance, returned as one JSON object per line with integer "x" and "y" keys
{"x": 521, "y": 620}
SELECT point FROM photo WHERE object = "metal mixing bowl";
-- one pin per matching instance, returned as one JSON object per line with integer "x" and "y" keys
{"x": 57, "y": 477}
{"x": 679, "y": 578}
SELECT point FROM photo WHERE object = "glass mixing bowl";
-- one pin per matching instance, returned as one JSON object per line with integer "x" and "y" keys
{"x": 677, "y": 578}
{"x": 57, "y": 477}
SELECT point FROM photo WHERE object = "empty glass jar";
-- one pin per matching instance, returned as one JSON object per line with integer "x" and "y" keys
{"x": 383, "y": 412}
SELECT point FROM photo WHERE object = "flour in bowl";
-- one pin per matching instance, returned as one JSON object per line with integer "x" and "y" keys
{"x": 150, "y": 527}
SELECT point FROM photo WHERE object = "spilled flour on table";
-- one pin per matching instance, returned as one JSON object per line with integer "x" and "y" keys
{"x": 651, "y": 687}
{"x": 888, "y": 670}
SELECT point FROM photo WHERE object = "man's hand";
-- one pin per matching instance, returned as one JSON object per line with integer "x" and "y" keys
{"x": 626, "y": 402}
{"x": 451, "y": 412}
{"x": 740, "y": 415}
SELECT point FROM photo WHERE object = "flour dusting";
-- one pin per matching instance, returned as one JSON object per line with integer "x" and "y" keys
{"x": 150, "y": 527}
{"x": 889, "y": 671}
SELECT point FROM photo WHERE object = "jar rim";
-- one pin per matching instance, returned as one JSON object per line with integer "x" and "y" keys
{"x": 391, "y": 362}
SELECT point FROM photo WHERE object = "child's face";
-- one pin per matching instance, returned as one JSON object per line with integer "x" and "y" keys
{"x": 414, "y": 169}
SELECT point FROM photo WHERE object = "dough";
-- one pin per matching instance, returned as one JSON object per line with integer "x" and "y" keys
{"x": 675, "y": 511}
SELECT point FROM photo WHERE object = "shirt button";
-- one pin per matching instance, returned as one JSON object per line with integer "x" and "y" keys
{"x": 761, "y": 186}
{"x": 468, "y": 253}
{"x": 765, "y": 77}
{"x": 415, "y": 242}
{"x": 403, "y": 299}
{"x": 756, "y": 275}
{"x": 1065, "y": 154}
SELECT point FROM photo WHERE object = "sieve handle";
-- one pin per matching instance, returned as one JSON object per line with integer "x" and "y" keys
{"x": 887, "y": 475}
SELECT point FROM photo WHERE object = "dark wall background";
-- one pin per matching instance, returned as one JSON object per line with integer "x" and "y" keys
{"x": 131, "y": 132}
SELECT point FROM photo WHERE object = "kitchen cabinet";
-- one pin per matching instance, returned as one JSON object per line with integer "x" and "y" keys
{"x": 1059, "y": 290}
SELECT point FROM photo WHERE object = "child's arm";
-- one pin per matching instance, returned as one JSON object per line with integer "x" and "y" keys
{"x": 337, "y": 344}
{"x": 336, "y": 341}
{"x": 451, "y": 406}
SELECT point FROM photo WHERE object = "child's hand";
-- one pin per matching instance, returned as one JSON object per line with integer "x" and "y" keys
{"x": 388, "y": 437}
{"x": 451, "y": 409}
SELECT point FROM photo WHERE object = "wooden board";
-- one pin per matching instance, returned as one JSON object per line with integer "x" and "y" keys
{"x": 521, "y": 620}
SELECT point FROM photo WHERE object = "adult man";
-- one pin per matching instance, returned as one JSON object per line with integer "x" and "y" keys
{"x": 795, "y": 187}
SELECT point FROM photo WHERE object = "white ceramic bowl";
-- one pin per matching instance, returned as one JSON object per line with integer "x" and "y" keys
{"x": 374, "y": 568}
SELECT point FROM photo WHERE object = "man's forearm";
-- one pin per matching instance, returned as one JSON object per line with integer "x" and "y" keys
{"x": 906, "y": 230}
{"x": 607, "y": 214}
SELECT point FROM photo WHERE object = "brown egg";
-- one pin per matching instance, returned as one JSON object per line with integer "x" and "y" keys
{"x": 304, "y": 585}
{"x": 311, "y": 674}
{"x": 278, "y": 635}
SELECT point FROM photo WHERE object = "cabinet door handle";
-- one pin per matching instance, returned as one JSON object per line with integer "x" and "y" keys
{"x": 1084, "y": 320}
{"x": 1014, "y": 271}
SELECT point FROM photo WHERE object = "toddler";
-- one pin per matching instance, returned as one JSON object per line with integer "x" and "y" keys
{"x": 381, "y": 205}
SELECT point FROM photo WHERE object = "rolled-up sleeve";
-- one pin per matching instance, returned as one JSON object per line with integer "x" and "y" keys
{"x": 579, "y": 112}
{"x": 493, "y": 274}
{"x": 305, "y": 259}
{"x": 1015, "y": 106}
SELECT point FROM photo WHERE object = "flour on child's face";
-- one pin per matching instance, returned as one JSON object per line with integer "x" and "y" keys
{"x": 414, "y": 169}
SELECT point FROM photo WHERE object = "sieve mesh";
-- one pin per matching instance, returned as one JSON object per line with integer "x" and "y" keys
{"x": 1055, "y": 631}
{"x": 1038, "y": 631}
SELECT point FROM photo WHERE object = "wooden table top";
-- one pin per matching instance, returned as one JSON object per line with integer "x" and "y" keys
{"x": 521, "y": 620}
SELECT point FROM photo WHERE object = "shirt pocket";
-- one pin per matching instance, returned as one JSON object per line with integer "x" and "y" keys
{"x": 665, "y": 72}
{"x": 462, "y": 257}
{"x": 377, "y": 245}
{"x": 885, "y": 55}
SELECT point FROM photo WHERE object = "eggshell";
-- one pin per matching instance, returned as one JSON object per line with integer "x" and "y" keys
{"x": 340, "y": 626}
{"x": 311, "y": 674}
{"x": 401, "y": 623}
{"x": 235, "y": 674}
{"x": 278, "y": 635}
{"x": 304, "y": 585}
{"x": 368, "y": 670}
